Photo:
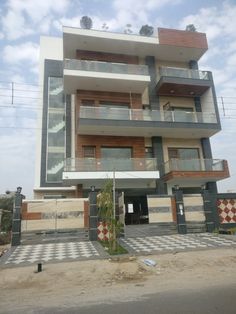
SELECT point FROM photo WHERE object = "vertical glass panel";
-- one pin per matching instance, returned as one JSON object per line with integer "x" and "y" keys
{"x": 184, "y": 159}
{"x": 183, "y": 114}
{"x": 55, "y": 130}
{"x": 116, "y": 158}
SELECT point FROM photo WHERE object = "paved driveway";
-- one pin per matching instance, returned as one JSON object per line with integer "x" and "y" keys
{"x": 52, "y": 252}
{"x": 55, "y": 252}
{"x": 176, "y": 242}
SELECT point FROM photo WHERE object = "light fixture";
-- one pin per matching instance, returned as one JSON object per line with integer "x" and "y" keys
{"x": 176, "y": 186}
{"x": 172, "y": 91}
{"x": 203, "y": 186}
{"x": 92, "y": 188}
{"x": 192, "y": 93}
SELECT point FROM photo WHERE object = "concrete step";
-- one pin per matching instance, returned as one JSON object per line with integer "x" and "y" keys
{"x": 195, "y": 226}
{"x": 157, "y": 229}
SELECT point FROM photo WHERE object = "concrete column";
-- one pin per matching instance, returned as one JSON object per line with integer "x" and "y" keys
{"x": 16, "y": 220}
{"x": 207, "y": 154}
{"x": 68, "y": 126}
{"x": 210, "y": 210}
{"x": 157, "y": 146}
{"x": 181, "y": 223}
{"x": 153, "y": 98}
{"x": 93, "y": 216}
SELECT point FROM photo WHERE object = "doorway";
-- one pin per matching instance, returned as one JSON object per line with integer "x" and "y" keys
{"x": 136, "y": 210}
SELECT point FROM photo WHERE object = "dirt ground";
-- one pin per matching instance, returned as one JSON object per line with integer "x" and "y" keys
{"x": 101, "y": 281}
{"x": 4, "y": 248}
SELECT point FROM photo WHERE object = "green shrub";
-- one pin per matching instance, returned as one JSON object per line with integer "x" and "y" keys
{"x": 5, "y": 238}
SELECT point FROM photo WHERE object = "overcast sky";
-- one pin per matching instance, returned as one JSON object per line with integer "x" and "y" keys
{"x": 23, "y": 21}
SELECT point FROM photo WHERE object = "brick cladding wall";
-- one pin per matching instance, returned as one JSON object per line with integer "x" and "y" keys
{"x": 137, "y": 143}
{"x": 134, "y": 100}
{"x": 180, "y": 38}
{"x": 106, "y": 57}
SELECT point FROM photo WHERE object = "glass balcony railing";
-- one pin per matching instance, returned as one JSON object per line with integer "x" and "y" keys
{"x": 110, "y": 164}
{"x": 146, "y": 115}
{"x": 184, "y": 73}
{"x": 107, "y": 67}
{"x": 194, "y": 165}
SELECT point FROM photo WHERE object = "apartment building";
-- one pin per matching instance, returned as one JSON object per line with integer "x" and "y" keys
{"x": 133, "y": 108}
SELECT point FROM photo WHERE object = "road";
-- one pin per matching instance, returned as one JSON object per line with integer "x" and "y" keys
{"x": 208, "y": 300}
{"x": 187, "y": 282}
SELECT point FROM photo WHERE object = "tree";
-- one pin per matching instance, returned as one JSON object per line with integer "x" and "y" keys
{"x": 107, "y": 214}
{"x": 190, "y": 28}
{"x": 128, "y": 29}
{"x": 146, "y": 30}
{"x": 105, "y": 27}
{"x": 6, "y": 204}
{"x": 86, "y": 22}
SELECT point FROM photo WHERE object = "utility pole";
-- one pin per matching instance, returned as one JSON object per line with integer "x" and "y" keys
{"x": 114, "y": 193}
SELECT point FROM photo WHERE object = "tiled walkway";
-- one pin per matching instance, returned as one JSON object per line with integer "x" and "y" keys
{"x": 56, "y": 252}
{"x": 175, "y": 242}
{"x": 52, "y": 252}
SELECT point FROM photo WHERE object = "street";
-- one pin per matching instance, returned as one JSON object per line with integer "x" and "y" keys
{"x": 185, "y": 282}
{"x": 210, "y": 300}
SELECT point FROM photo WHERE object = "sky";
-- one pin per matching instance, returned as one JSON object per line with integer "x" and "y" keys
{"x": 22, "y": 22}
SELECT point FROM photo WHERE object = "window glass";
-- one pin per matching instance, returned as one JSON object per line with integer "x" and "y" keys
{"x": 116, "y": 152}
{"x": 184, "y": 159}
{"x": 89, "y": 151}
{"x": 55, "y": 130}
{"x": 87, "y": 102}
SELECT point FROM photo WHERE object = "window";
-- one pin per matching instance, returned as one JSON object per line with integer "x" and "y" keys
{"x": 89, "y": 151}
{"x": 115, "y": 110}
{"x": 116, "y": 152}
{"x": 87, "y": 102}
{"x": 178, "y": 114}
{"x": 114, "y": 104}
{"x": 116, "y": 158}
{"x": 184, "y": 159}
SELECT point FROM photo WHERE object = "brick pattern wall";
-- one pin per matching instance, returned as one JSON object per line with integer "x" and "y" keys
{"x": 179, "y": 38}
{"x": 106, "y": 57}
{"x": 137, "y": 143}
{"x": 134, "y": 100}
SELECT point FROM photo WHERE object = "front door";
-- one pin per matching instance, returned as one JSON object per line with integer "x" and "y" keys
{"x": 136, "y": 210}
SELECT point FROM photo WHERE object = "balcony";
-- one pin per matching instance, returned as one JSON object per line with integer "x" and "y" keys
{"x": 133, "y": 172}
{"x": 104, "y": 76}
{"x": 138, "y": 122}
{"x": 165, "y": 44}
{"x": 182, "y": 82}
{"x": 197, "y": 170}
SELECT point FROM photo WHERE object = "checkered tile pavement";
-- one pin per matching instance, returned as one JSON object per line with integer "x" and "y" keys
{"x": 175, "y": 242}
{"x": 28, "y": 254}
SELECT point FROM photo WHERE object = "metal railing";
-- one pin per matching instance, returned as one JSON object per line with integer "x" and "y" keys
{"x": 184, "y": 73}
{"x": 107, "y": 67}
{"x": 146, "y": 115}
{"x": 194, "y": 165}
{"x": 110, "y": 164}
